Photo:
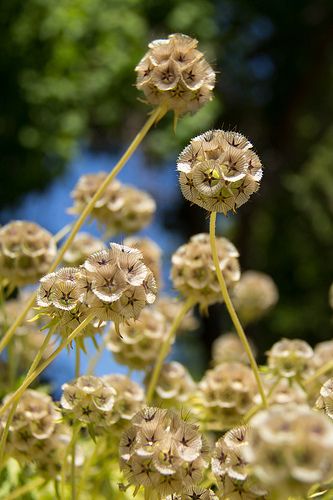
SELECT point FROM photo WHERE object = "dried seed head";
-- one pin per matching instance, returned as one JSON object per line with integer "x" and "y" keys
{"x": 284, "y": 392}
{"x": 162, "y": 452}
{"x": 290, "y": 448}
{"x": 175, "y": 385}
{"x": 290, "y": 358}
{"x": 227, "y": 348}
{"x": 193, "y": 271}
{"x": 219, "y": 171}
{"x": 90, "y": 400}
{"x": 230, "y": 466}
{"x": 175, "y": 74}
{"x": 170, "y": 307}
{"x": 33, "y": 424}
{"x": 140, "y": 340}
{"x": 225, "y": 395}
{"x": 151, "y": 254}
{"x": 254, "y": 295}
{"x": 121, "y": 209}
{"x": 325, "y": 400}
{"x": 26, "y": 252}
{"x": 84, "y": 244}
{"x": 128, "y": 400}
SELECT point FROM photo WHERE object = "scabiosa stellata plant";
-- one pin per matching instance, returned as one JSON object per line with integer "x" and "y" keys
{"x": 290, "y": 358}
{"x": 151, "y": 252}
{"x": 325, "y": 400}
{"x": 162, "y": 452}
{"x": 228, "y": 347}
{"x": 290, "y": 448}
{"x": 26, "y": 252}
{"x": 174, "y": 74}
{"x": 84, "y": 244}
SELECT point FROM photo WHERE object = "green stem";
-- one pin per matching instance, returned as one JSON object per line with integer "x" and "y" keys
{"x": 34, "y": 365}
{"x": 321, "y": 371}
{"x": 155, "y": 116}
{"x": 75, "y": 432}
{"x": 231, "y": 309}
{"x": 30, "y": 378}
{"x": 26, "y": 488}
{"x": 165, "y": 347}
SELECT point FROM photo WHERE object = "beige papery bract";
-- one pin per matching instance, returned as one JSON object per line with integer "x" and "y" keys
{"x": 35, "y": 434}
{"x": 225, "y": 395}
{"x": 121, "y": 209}
{"x": 325, "y": 400}
{"x": 175, "y": 386}
{"x": 290, "y": 358}
{"x": 162, "y": 453}
{"x": 219, "y": 171}
{"x": 84, "y": 244}
{"x": 254, "y": 295}
{"x": 112, "y": 284}
{"x": 291, "y": 448}
{"x": 140, "y": 340}
{"x": 228, "y": 347}
{"x": 174, "y": 74}
{"x": 231, "y": 469}
{"x": 151, "y": 252}
{"x": 26, "y": 252}
{"x": 193, "y": 271}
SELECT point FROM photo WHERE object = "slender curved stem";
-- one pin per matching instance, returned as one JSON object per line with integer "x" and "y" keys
{"x": 166, "y": 345}
{"x": 321, "y": 371}
{"x": 34, "y": 365}
{"x": 157, "y": 115}
{"x": 30, "y": 378}
{"x": 231, "y": 309}
{"x": 75, "y": 428}
{"x": 26, "y": 488}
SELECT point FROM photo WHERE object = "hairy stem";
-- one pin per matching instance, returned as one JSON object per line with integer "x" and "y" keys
{"x": 165, "y": 347}
{"x": 157, "y": 114}
{"x": 30, "y": 378}
{"x": 231, "y": 309}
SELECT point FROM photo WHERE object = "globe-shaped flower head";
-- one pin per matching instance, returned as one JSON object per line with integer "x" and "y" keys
{"x": 219, "y": 171}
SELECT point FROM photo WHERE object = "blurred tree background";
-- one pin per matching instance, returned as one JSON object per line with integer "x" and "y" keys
{"x": 68, "y": 81}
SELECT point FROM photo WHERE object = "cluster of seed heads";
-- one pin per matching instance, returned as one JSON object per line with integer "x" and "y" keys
{"x": 193, "y": 270}
{"x": 26, "y": 252}
{"x": 113, "y": 285}
{"x": 121, "y": 209}
{"x": 219, "y": 171}
{"x": 174, "y": 74}
{"x": 290, "y": 358}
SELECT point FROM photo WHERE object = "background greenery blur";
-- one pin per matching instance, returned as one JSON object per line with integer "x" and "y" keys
{"x": 68, "y": 81}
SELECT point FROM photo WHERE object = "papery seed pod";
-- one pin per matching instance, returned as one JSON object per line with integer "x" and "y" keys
{"x": 151, "y": 254}
{"x": 227, "y": 348}
{"x": 325, "y": 400}
{"x": 254, "y": 295}
{"x": 162, "y": 452}
{"x": 231, "y": 468}
{"x": 225, "y": 395}
{"x": 219, "y": 171}
{"x": 121, "y": 209}
{"x": 84, "y": 244}
{"x": 90, "y": 400}
{"x": 174, "y": 74}
{"x": 175, "y": 385}
{"x": 140, "y": 340}
{"x": 290, "y": 448}
{"x": 290, "y": 358}
{"x": 193, "y": 272}
{"x": 33, "y": 423}
{"x": 170, "y": 307}
{"x": 284, "y": 392}
{"x": 129, "y": 397}
{"x": 26, "y": 252}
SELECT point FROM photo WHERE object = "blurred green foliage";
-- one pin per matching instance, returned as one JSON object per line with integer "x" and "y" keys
{"x": 69, "y": 79}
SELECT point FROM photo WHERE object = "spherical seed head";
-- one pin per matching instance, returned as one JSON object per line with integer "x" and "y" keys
{"x": 33, "y": 423}
{"x": 162, "y": 452}
{"x": 84, "y": 244}
{"x": 254, "y": 295}
{"x": 175, "y": 385}
{"x": 230, "y": 466}
{"x": 290, "y": 358}
{"x": 174, "y": 74}
{"x": 151, "y": 252}
{"x": 90, "y": 400}
{"x": 291, "y": 447}
{"x": 170, "y": 307}
{"x": 129, "y": 397}
{"x": 140, "y": 340}
{"x": 228, "y": 347}
{"x": 325, "y": 401}
{"x": 219, "y": 171}
{"x": 193, "y": 271}
{"x": 26, "y": 252}
{"x": 121, "y": 209}
{"x": 225, "y": 395}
